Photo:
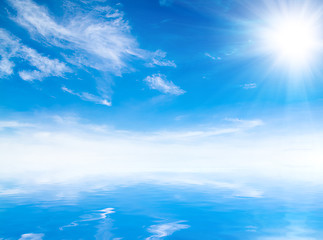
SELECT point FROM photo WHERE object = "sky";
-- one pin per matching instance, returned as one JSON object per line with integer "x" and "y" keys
{"x": 97, "y": 87}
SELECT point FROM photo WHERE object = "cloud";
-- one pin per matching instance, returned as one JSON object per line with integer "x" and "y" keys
{"x": 32, "y": 236}
{"x": 158, "y": 58}
{"x": 212, "y": 57}
{"x": 8, "y": 48}
{"x": 14, "y": 124}
{"x": 160, "y": 83}
{"x": 249, "y": 86}
{"x": 12, "y": 47}
{"x": 160, "y": 231}
{"x": 6, "y": 66}
{"x": 88, "y": 97}
{"x": 100, "y": 37}
{"x": 47, "y": 67}
{"x": 94, "y": 36}
{"x": 64, "y": 150}
{"x": 246, "y": 123}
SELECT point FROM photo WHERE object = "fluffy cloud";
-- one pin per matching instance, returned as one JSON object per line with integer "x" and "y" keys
{"x": 160, "y": 83}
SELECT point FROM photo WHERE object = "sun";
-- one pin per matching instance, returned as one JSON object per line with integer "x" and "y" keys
{"x": 291, "y": 38}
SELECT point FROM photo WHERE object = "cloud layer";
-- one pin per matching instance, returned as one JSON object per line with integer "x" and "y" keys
{"x": 67, "y": 149}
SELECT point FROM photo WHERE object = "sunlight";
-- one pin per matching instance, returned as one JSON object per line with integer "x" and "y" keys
{"x": 291, "y": 38}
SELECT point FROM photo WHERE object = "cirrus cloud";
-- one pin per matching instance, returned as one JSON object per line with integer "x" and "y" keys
{"x": 159, "y": 82}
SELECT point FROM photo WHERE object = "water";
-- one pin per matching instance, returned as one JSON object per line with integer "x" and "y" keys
{"x": 169, "y": 209}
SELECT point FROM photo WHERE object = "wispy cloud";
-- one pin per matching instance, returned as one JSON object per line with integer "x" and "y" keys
{"x": 159, "y": 82}
{"x": 99, "y": 36}
{"x": 249, "y": 86}
{"x": 158, "y": 58}
{"x": 162, "y": 230}
{"x": 212, "y": 57}
{"x": 12, "y": 47}
{"x": 8, "y": 48}
{"x": 246, "y": 123}
{"x": 14, "y": 124}
{"x": 32, "y": 236}
{"x": 96, "y": 37}
{"x": 88, "y": 97}
{"x": 236, "y": 126}
{"x": 46, "y": 67}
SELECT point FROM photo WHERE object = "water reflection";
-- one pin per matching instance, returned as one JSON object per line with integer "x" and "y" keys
{"x": 172, "y": 207}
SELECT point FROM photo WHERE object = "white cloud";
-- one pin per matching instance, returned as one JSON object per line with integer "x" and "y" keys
{"x": 6, "y": 66}
{"x": 47, "y": 67}
{"x": 14, "y": 124}
{"x": 249, "y": 85}
{"x": 8, "y": 48}
{"x": 246, "y": 123}
{"x": 162, "y": 230}
{"x": 158, "y": 58}
{"x": 12, "y": 47}
{"x": 160, "y": 83}
{"x": 88, "y": 97}
{"x": 32, "y": 236}
{"x": 100, "y": 36}
{"x": 68, "y": 150}
{"x": 212, "y": 57}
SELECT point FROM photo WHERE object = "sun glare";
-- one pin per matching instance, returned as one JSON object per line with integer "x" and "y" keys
{"x": 291, "y": 39}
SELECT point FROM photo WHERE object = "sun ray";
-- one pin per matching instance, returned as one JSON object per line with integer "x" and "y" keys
{"x": 290, "y": 35}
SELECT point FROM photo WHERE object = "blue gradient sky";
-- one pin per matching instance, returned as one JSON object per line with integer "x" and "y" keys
{"x": 153, "y": 85}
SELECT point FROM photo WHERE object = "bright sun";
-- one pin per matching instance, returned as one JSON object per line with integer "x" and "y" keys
{"x": 291, "y": 39}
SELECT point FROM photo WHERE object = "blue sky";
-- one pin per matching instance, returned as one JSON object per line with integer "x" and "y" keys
{"x": 190, "y": 81}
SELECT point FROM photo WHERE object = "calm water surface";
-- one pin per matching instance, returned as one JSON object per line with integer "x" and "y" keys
{"x": 160, "y": 210}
